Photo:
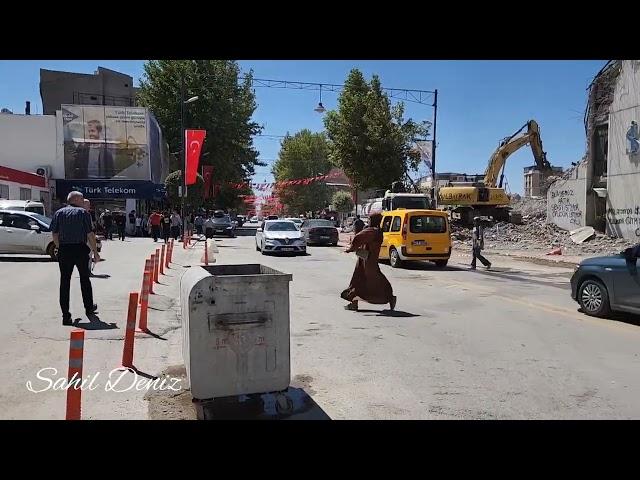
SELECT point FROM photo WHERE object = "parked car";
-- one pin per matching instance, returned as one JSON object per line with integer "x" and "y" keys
{"x": 603, "y": 284}
{"x": 24, "y": 232}
{"x": 278, "y": 236}
{"x": 297, "y": 221}
{"x": 319, "y": 231}
{"x": 23, "y": 205}
{"x": 222, "y": 225}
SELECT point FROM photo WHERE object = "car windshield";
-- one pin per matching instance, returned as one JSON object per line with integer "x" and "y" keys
{"x": 281, "y": 227}
{"x": 411, "y": 203}
{"x": 221, "y": 220}
{"x": 41, "y": 218}
{"x": 320, "y": 223}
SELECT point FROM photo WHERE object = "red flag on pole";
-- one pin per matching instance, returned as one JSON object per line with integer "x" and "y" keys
{"x": 193, "y": 141}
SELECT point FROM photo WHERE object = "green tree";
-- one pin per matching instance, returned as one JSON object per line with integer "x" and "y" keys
{"x": 342, "y": 201}
{"x": 303, "y": 155}
{"x": 224, "y": 109}
{"x": 195, "y": 192}
{"x": 369, "y": 138}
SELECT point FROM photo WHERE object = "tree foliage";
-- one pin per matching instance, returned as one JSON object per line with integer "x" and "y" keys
{"x": 342, "y": 201}
{"x": 224, "y": 109}
{"x": 303, "y": 155}
{"x": 195, "y": 192}
{"x": 369, "y": 138}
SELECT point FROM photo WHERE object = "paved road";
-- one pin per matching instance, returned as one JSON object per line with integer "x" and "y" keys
{"x": 508, "y": 343}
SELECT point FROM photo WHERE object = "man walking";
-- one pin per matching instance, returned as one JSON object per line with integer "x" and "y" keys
{"x": 139, "y": 225}
{"x": 478, "y": 244}
{"x": 358, "y": 225}
{"x": 176, "y": 223}
{"x": 121, "y": 223}
{"x": 154, "y": 221}
{"x": 166, "y": 227}
{"x": 71, "y": 227}
{"x": 107, "y": 221}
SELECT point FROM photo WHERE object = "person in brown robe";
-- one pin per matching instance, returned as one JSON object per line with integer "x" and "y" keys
{"x": 368, "y": 283}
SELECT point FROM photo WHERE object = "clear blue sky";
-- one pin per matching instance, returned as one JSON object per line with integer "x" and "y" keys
{"x": 480, "y": 102}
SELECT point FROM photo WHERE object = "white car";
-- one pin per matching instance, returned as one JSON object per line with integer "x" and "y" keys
{"x": 23, "y": 232}
{"x": 278, "y": 236}
{"x": 297, "y": 221}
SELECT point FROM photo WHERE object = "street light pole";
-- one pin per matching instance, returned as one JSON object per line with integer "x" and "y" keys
{"x": 183, "y": 150}
{"x": 433, "y": 150}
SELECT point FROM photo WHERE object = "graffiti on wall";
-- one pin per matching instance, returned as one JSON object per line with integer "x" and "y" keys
{"x": 628, "y": 216}
{"x": 565, "y": 208}
{"x": 633, "y": 139}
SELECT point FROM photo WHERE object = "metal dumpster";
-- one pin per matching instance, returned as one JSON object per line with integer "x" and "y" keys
{"x": 235, "y": 323}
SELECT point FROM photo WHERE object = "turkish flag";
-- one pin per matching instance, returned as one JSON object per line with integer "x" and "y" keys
{"x": 193, "y": 142}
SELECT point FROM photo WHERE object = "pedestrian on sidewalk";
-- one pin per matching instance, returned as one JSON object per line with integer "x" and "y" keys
{"x": 208, "y": 227}
{"x": 121, "y": 224}
{"x": 139, "y": 226}
{"x": 145, "y": 225}
{"x": 176, "y": 223}
{"x": 72, "y": 229}
{"x": 87, "y": 207}
{"x": 154, "y": 221}
{"x": 198, "y": 222}
{"x": 368, "y": 283}
{"x": 107, "y": 221}
{"x": 358, "y": 225}
{"x": 478, "y": 244}
{"x": 166, "y": 226}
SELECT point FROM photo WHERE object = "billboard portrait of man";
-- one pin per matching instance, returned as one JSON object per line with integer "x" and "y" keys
{"x": 92, "y": 159}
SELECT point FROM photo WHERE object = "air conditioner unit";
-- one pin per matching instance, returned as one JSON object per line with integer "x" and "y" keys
{"x": 44, "y": 171}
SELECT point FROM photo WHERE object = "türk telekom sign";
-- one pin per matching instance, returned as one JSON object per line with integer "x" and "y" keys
{"x": 113, "y": 189}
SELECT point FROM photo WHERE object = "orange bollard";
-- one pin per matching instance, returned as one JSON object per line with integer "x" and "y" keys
{"x": 151, "y": 264}
{"x": 144, "y": 303}
{"x": 162, "y": 260}
{"x": 206, "y": 252}
{"x": 147, "y": 266}
{"x": 74, "y": 393}
{"x": 166, "y": 258}
{"x": 155, "y": 265}
{"x": 171, "y": 251}
{"x": 127, "y": 351}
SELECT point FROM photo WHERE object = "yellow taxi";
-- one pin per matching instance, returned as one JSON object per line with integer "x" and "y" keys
{"x": 410, "y": 235}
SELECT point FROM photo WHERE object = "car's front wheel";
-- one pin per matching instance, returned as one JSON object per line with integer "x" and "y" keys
{"x": 594, "y": 298}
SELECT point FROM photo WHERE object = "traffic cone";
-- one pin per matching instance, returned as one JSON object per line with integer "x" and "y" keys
{"x": 129, "y": 337}
{"x": 144, "y": 303}
{"x": 74, "y": 393}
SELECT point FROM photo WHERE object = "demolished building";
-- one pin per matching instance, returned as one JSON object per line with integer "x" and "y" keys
{"x": 603, "y": 190}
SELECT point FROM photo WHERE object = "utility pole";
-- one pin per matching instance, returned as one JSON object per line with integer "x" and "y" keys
{"x": 183, "y": 151}
{"x": 434, "y": 194}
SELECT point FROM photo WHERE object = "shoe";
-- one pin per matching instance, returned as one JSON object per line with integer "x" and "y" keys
{"x": 352, "y": 306}
{"x": 472, "y": 268}
{"x": 92, "y": 310}
{"x": 488, "y": 266}
{"x": 393, "y": 301}
{"x": 66, "y": 319}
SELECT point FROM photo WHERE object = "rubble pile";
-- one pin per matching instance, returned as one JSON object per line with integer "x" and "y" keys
{"x": 536, "y": 235}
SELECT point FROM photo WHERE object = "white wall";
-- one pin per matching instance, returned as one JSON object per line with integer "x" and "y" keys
{"x": 28, "y": 142}
{"x": 566, "y": 200}
{"x": 623, "y": 169}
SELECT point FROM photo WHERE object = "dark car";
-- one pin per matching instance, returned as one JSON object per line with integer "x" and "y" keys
{"x": 222, "y": 225}
{"x": 603, "y": 284}
{"x": 319, "y": 232}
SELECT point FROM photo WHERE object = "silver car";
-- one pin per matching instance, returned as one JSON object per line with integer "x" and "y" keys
{"x": 280, "y": 236}
{"x": 23, "y": 232}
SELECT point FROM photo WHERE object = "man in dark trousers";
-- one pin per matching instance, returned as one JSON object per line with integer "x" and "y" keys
{"x": 107, "y": 221}
{"x": 154, "y": 221}
{"x": 478, "y": 244}
{"x": 72, "y": 228}
{"x": 121, "y": 224}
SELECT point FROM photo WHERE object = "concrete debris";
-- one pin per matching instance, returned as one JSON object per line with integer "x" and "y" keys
{"x": 582, "y": 234}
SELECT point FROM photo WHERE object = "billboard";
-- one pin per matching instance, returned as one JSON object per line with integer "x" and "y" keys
{"x": 115, "y": 143}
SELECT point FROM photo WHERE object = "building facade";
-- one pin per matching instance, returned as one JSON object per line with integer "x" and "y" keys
{"x": 603, "y": 190}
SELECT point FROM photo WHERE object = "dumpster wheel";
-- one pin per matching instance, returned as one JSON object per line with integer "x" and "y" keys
{"x": 284, "y": 405}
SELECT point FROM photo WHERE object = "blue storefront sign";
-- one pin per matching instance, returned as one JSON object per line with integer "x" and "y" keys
{"x": 138, "y": 189}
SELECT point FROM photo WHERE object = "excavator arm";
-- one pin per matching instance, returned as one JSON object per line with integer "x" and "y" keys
{"x": 512, "y": 144}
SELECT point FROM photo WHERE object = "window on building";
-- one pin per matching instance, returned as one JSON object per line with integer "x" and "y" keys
{"x": 25, "y": 194}
{"x": 4, "y": 191}
{"x": 600, "y": 145}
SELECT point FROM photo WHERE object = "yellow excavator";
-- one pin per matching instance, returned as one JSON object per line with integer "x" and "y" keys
{"x": 488, "y": 198}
